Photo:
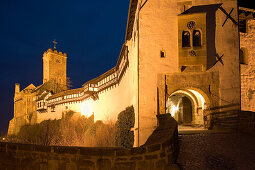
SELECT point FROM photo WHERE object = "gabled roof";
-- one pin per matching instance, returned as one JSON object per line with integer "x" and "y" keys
{"x": 131, "y": 19}
{"x": 43, "y": 96}
{"x": 44, "y": 87}
{"x": 30, "y": 87}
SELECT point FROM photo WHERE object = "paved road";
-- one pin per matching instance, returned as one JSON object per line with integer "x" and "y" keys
{"x": 217, "y": 151}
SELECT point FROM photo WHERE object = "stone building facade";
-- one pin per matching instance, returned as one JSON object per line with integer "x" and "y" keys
{"x": 179, "y": 56}
{"x": 247, "y": 58}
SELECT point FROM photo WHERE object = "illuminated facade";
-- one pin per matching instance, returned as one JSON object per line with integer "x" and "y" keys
{"x": 180, "y": 57}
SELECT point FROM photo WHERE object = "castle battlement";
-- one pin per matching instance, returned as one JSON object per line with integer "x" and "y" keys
{"x": 55, "y": 52}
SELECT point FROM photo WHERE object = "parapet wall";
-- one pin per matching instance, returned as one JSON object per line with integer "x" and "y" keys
{"x": 247, "y": 122}
{"x": 155, "y": 154}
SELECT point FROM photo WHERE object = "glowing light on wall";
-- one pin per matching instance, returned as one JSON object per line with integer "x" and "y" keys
{"x": 86, "y": 109}
{"x": 200, "y": 98}
{"x": 174, "y": 109}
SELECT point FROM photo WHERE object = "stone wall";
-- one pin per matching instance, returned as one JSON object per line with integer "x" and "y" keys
{"x": 247, "y": 122}
{"x": 158, "y": 31}
{"x": 239, "y": 121}
{"x": 159, "y": 152}
{"x": 248, "y": 70}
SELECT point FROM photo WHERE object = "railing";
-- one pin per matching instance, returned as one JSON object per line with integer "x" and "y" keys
{"x": 114, "y": 78}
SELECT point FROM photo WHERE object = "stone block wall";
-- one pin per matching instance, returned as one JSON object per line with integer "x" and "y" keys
{"x": 247, "y": 122}
{"x": 247, "y": 70}
{"x": 159, "y": 152}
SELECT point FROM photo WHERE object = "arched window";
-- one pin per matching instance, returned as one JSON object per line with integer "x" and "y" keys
{"x": 243, "y": 56}
{"x": 196, "y": 38}
{"x": 185, "y": 39}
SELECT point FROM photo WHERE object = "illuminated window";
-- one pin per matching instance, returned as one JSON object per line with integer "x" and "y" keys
{"x": 185, "y": 39}
{"x": 196, "y": 38}
{"x": 243, "y": 56}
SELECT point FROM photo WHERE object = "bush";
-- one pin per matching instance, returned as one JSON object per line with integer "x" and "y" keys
{"x": 124, "y": 137}
{"x": 69, "y": 131}
{"x": 45, "y": 133}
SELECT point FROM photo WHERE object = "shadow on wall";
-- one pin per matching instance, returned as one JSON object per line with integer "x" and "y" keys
{"x": 212, "y": 56}
{"x": 159, "y": 152}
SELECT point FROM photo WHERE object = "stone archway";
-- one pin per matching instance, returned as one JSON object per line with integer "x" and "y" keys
{"x": 187, "y": 107}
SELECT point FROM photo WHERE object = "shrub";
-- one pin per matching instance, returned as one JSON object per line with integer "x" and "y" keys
{"x": 124, "y": 137}
{"x": 45, "y": 133}
{"x": 69, "y": 131}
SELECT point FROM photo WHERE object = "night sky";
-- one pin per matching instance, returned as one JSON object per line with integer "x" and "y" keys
{"x": 90, "y": 32}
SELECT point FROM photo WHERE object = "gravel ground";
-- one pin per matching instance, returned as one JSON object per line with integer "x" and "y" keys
{"x": 217, "y": 151}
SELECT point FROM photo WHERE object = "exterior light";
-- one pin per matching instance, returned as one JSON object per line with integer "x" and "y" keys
{"x": 174, "y": 109}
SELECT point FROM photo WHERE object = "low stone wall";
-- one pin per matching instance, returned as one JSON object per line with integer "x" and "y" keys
{"x": 247, "y": 122}
{"x": 235, "y": 120}
{"x": 159, "y": 152}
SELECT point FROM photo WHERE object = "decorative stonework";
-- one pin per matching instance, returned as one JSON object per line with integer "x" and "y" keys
{"x": 191, "y": 24}
{"x": 192, "y": 53}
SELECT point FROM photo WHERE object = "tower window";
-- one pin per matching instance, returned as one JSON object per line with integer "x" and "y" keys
{"x": 243, "y": 56}
{"x": 185, "y": 39}
{"x": 162, "y": 54}
{"x": 196, "y": 38}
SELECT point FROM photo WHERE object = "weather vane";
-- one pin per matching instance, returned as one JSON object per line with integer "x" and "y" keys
{"x": 55, "y": 44}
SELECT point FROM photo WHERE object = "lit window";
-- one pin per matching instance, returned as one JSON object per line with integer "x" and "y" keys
{"x": 196, "y": 38}
{"x": 185, "y": 39}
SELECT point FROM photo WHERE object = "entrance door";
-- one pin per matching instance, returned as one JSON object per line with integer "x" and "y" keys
{"x": 187, "y": 110}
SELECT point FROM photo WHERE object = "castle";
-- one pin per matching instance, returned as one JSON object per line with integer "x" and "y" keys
{"x": 189, "y": 58}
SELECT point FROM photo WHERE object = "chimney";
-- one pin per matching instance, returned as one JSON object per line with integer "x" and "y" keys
{"x": 17, "y": 88}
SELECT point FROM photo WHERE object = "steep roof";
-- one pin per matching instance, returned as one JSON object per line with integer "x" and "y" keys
{"x": 43, "y": 96}
{"x": 44, "y": 87}
{"x": 67, "y": 92}
{"x": 30, "y": 87}
{"x": 131, "y": 19}
{"x": 102, "y": 76}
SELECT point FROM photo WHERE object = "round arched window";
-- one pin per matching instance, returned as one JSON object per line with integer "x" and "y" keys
{"x": 185, "y": 39}
{"x": 196, "y": 38}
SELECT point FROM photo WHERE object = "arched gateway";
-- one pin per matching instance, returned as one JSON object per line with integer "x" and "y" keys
{"x": 187, "y": 106}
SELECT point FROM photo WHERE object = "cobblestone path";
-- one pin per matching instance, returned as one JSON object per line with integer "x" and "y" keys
{"x": 217, "y": 151}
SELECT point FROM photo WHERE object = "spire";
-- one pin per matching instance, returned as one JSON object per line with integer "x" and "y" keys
{"x": 55, "y": 44}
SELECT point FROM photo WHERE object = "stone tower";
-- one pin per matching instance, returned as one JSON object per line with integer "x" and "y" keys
{"x": 54, "y": 67}
{"x": 191, "y": 49}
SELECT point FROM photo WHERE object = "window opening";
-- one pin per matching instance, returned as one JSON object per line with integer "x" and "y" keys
{"x": 243, "y": 56}
{"x": 162, "y": 54}
{"x": 185, "y": 39}
{"x": 196, "y": 38}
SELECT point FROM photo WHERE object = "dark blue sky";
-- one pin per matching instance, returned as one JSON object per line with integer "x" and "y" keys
{"x": 90, "y": 32}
